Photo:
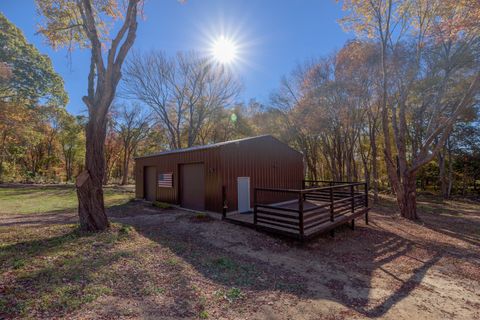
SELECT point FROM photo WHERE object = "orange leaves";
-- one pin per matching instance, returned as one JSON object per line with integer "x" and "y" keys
{"x": 62, "y": 23}
{"x": 446, "y": 19}
{"x": 457, "y": 17}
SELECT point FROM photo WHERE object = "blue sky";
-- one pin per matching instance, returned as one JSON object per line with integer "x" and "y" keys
{"x": 273, "y": 35}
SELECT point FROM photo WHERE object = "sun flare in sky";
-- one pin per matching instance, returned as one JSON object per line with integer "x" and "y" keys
{"x": 224, "y": 50}
{"x": 229, "y": 44}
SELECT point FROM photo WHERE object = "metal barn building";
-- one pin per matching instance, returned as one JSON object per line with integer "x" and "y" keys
{"x": 207, "y": 177}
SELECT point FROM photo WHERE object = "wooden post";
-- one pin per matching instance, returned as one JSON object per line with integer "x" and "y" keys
{"x": 224, "y": 202}
{"x": 331, "y": 204}
{"x": 352, "y": 226}
{"x": 304, "y": 196}
{"x": 366, "y": 195}
{"x": 300, "y": 213}
{"x": 255, "y": 206}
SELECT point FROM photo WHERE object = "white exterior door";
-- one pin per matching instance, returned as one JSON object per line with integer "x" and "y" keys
{"x": 243, "y": 187}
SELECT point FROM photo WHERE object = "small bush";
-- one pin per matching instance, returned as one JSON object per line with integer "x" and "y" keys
{"x": 18, "y": 263}
{"x": 161, "y": 205}
{"x": 125, "y": 231}
{"x": 233, "y": 294}
{"x": 203, "y": 314}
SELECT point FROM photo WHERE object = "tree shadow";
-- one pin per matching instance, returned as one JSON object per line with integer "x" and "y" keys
{"x": 55, "y": 217}
{"x": 343, "y": 269}
{"x": 327, "y": 268}
{"x": 61, "y": 274}
{"x": 459, "y": 220}
{"x": 457, "y": 223}
{"x": 37, "y": 247}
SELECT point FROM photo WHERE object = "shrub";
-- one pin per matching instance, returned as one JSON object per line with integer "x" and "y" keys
{"x": 233, "y": 294}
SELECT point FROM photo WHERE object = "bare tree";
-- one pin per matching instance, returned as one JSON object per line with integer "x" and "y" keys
{"x": 182, "y": 91}
{"x": 132, "y": 126}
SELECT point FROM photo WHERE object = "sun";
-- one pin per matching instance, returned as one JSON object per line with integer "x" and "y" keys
{"x": 224, "y": 50}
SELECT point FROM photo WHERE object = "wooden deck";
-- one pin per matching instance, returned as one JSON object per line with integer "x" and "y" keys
{"x": 316, "y": 211}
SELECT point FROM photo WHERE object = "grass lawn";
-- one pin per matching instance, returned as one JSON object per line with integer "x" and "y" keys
{"x": 55, "y": 198}
{"x": 164, "y": 263}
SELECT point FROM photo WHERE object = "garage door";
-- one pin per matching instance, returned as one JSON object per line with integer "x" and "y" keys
{"x": 150, "y": 178}
{"x": 192, "y": 186}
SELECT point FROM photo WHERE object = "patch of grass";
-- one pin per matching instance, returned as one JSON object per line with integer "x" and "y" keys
{"x": 71, "y": 297}
{"x": 172, "y": 261}
{"x": 230, "y": 295}
{"x": 153, "y": 290}
{"x": 234, "y": 294}
{"x": 39, "y": 199}
{"x": 162, "y": 205}
{"x": 125, "y": 230}
{"x": 224, "y": 263}
{"x": 233, "y": 272}
{"x": 18, "y": 263}
{"x": 203, "y": 314}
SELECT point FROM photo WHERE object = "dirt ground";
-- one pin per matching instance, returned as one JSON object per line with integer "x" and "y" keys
{"x": 207, "y": 268}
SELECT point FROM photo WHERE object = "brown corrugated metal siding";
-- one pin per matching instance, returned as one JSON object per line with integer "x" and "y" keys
{"x": 268, "y": 162}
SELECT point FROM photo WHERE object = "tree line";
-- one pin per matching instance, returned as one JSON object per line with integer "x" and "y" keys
{"x": 397, "y": 106}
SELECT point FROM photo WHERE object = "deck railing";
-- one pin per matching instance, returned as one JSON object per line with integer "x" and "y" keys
{"x": 311, "y": 210}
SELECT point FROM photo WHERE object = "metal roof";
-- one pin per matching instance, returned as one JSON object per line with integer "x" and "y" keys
{"x": 207, "y": 146}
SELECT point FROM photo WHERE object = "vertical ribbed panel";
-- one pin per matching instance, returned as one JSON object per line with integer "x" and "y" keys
{"x": 268, "y": 162}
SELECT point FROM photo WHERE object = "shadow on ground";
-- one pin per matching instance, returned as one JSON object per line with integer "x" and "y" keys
{"x": 368, "y": 270}
{"x": 391, "y": 264}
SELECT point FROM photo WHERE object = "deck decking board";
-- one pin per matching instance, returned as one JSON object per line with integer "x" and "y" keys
{"x": 313, "y": 213}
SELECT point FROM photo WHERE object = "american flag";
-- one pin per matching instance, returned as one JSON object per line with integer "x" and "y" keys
{"x": 165, "y": 180}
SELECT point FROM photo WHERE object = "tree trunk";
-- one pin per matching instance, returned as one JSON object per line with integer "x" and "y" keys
{"x": 68, "y": 171}
{"x": 126, "y": 157}
{"x": 442, "y": 178}
{"x": 374, "y": 170}
{"x": 103, "y": 79}
{"x": 91, "y": 208}
{"x": 407, "y": 197}
{"x": 450, "y": 170}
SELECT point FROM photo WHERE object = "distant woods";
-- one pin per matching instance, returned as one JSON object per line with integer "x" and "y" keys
{"x": 396, "y": 107}
{"x": 331, "y": 110}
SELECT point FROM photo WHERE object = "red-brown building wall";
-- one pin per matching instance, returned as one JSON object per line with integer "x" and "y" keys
{"x": 268, "y": 162}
